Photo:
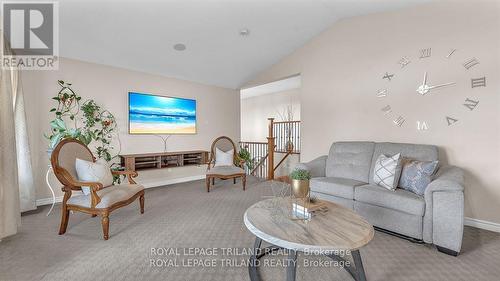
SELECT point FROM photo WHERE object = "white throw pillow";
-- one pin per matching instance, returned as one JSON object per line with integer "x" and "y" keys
{"x": 224, "y": 158}
{"x": 387, "y": 171}
{"x": 93, "y": 171}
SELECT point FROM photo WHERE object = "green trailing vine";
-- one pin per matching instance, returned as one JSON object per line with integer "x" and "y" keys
{"x": 87, "y": 122}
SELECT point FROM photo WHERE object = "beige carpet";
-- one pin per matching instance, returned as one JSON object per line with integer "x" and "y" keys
{"x": 183, "y": 216}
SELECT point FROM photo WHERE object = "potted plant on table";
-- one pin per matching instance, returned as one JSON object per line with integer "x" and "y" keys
{"x": 300, "y": 183}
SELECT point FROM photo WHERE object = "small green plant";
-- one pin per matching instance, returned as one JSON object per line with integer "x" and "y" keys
{"x": 300, "y": 174}
{"x": 245, "y": 155}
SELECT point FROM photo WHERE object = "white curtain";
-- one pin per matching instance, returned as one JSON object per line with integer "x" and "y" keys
{"x": 24, "y": 168}
{"x": 10, "y": 215}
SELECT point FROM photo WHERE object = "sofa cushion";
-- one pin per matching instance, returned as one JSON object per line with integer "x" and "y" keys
{"x": 109, "y": 195}
{"x": 419, "y": 152}
{"x": 350, "y": 160}
{"x": 399, "y": 200}
{"x": 340, "y": 187}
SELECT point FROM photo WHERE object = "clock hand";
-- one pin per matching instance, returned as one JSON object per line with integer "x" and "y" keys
{"x": 425, "y": 79}
{"x": 441, "y": 85}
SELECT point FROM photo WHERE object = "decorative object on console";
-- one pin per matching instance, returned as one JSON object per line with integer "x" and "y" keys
{"x": 426, "y": 89}
{"x": 387, "y": 171}
{"x": 234, "y": 171}
{"x": 153, "y": 114}
{"x": 416, "y": 175}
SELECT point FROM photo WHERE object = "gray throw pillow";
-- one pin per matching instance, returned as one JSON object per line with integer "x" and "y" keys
{"x": 416, "y": 175}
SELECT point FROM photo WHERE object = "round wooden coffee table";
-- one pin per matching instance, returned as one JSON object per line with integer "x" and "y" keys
{"x": 339, "y": 230}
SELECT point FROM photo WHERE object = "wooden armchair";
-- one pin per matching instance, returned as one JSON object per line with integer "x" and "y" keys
{"x": 224, "y": 172}
{"x": 101, "y": 200}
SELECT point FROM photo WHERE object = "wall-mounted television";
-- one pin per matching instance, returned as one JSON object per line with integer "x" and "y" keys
{"x": 157, "y": 115}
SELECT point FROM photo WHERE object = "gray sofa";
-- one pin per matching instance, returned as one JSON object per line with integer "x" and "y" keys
{"x": 345, "y": 176}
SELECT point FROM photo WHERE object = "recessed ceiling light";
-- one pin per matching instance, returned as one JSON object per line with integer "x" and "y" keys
{"x": 179, "y": 47}
{"x": 244, "y": 32}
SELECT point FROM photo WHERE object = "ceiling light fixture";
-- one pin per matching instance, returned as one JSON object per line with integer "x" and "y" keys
{"x": 179, "y": 47}
{"x": 244, "y": 32}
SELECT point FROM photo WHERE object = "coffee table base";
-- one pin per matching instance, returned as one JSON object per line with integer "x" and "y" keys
{"x": 357, "y": 271}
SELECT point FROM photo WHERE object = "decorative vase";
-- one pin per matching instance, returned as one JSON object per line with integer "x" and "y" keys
{"x": 289, "y": 146}
{"x": 300, "y": 188}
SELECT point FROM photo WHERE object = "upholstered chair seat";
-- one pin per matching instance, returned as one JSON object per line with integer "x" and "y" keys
{"x": 109, "y": 196}
{"x": 225, "y": 170}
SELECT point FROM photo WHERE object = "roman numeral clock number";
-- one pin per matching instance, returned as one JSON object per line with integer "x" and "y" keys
{"x": 470, "y": 63}
{"x": 471, "y": 104}
{"x": 425, "y": 53}
{"x": 478, "y": 82}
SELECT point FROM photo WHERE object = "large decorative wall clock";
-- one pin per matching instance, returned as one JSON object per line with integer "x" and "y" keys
{"x": 431, "y": 81}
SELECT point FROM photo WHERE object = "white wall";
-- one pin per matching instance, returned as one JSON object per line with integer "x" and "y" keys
{"x": 256, "y": 110}
{"x": 342, "y": 70}
{"x": 218, "y": 113}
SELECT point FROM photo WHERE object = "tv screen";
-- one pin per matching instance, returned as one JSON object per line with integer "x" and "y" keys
{"x": 156, "y": 115}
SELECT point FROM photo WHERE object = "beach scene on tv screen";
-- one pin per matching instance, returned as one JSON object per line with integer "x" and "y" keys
{"x": 149, "y": 114}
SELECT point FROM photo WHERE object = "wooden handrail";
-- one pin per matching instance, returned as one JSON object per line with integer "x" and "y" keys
{"x": 261, "y": 162}
{"x": 283, "y": 122}
{"x": 282, "y": 160}
{"x": 252, "y": 142}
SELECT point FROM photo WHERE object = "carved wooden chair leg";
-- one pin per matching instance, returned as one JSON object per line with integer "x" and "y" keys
{"x": 64, "y": 219}
{"x": 94, "y": 215}
{"x": 244, "y": 181}
{"x": 141, "y": 203}
{"x": 207, "y": 181}
{"x": 105, "y": 225}
{"x": 213, "y": 181}
{"x": 234, "y": 180}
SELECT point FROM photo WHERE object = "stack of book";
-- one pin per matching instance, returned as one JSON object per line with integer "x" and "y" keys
{"x": 307, "y": 209}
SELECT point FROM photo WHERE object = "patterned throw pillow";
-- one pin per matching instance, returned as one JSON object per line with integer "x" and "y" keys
{"x": 387, "y": 171}
{"x": 416, "y": 175}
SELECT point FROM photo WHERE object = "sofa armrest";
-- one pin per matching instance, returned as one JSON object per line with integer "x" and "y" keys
{"x": 444, "y": 215}
{"x": 316, "y": 167}
{"x": 448, "y": 178}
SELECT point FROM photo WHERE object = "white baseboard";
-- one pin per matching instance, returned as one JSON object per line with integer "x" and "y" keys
{"x": 172, "y": 181}
{"x": 48, "y": 201}
{"x": 488, "y": 225}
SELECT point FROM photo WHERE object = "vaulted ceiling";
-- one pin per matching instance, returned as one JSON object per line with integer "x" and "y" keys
{"x": 140, "y": 35}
